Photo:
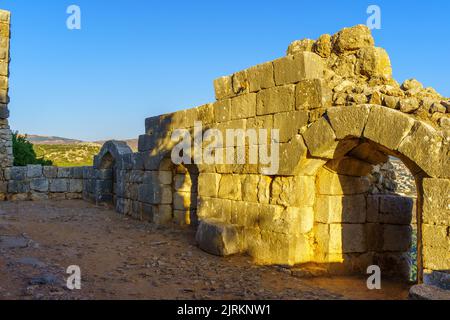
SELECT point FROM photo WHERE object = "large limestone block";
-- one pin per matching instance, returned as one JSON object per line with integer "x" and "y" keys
{"x": 240, "y": 82}
{"x": 347, "y": 238}
{"x": 205, "y": 113}
{"x": 223, "y": 87}
{"x": 291, "y": 220}
{"x": 163, "y": 214}
{"x": 250, "y": 188}
{"x": 276, "y": 99}
{"x": 312, "y": 94}
{"x": 329, "y": 183}
{"x": 374, "y": 63}
{"x": 230, "y": 187}
{"x": 222, "y": 110}
{"x": 395, "y": 210}
{"x": 435, "y": 236}
{"x": 340, "y": 209}
{"x": 351, "y": 39}
{"x": 214, "y": 208}
{"x": 320, "y": 138}
{"x": 350, "y": 166}
{"x": 290, "y": 123}
{"x": 298, "y": 191}
{"x": 261, "y": 77}
{"x": 34, "y": 171}
{"x": 59, "y": 185}
{"x": 348, "y": 121}
{"x": 292, "y": 69}
{"x": 321, "y": 141}
{"x": 291, "y": 156}
{"x": 276, "y": 248}
{"x": 208, "y": 184}
{"x": 218, "y": 238}
{"x": 243, "y": 106}
{"x": 424, "y": 147}
{"x": 436, "y": 258}
{"x": 387, "y": 127}
{"x": 397, "y": 238}
{"x": 368, "y": 153}
{"x": 436, "y": 201}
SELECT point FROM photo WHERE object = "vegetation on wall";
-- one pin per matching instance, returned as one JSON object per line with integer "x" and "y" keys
{"x": 24, "y": 153}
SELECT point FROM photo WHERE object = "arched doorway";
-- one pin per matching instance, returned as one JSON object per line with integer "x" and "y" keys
{"x": 109, "y": 184}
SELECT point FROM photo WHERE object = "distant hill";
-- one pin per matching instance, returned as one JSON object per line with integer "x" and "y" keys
{"x": 65, "y": 152}
{"x": 51, "y": 140}
{"x": 36, "y": 139}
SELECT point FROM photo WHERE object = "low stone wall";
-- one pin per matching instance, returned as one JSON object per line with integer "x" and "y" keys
{"x": 36, "y": 182}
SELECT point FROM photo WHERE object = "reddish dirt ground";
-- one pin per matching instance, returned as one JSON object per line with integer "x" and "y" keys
{"x": 122, "y": 258}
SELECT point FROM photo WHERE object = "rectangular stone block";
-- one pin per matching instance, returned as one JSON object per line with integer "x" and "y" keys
{"x": 208, "y": 184}
{"x": 165, "y": 177}
{"x": 34, "y": 171}
{"x": 381, "y": 118}
{"x": 330, "y": 183}
{"x": 4, "y": 111}
{"x": 222, "y": 110}
{"x": 435, "y": 236}
{"x": 396, "y": 210}
{"x": 39, "y": 184}
{"x": 250, "y": 188}
{"x": 163, "y": 215}
{"x": 436, "y": 206}
{"x": 15, "y": 186}
{"x": 340, "y": 209}
{"x": 290, "y": 123}
{"x": 75, "y": 185}
{"x": 59, "y": 185}
{"x": 292, "y": 69}
{"x": 347, "y": 238}
{"x": 348, "y": 121}
{"x": 214, "y": 208}
{"x": 261, "y": 77}
{"x": 397, "y": 238}
{"x": 223, "y": 87}
{"x": 312, "y": 94}
{"x": 230, "y": 187}
{"x": 276, "y": 99}
{"x": 243, "y": 106}
{"x": 15, "y": 173}
{"x": 64, "y": 172}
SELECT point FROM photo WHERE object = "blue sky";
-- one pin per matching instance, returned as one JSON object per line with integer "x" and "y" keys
{"x": 138, "y": 58}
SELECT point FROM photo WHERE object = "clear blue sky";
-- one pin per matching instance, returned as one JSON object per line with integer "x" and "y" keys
{"x": 138, "y": 58}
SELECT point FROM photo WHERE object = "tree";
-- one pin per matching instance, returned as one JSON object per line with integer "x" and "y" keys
{"x": 24, "y": 153}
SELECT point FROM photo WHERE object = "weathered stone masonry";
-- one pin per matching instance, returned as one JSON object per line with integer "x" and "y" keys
{"x": 340, "y": 114}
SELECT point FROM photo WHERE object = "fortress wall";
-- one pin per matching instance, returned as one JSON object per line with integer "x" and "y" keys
{"x": 36, "y": 182}
{"x": 6, "y": 157}
{"x": 339, "y": 114}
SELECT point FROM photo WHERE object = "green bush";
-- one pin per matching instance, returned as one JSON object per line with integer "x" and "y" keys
{"x": 24, "y": 153}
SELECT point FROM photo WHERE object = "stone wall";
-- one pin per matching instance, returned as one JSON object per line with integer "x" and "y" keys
{"x": 6, "y": 159}
{"x": 340, "y": 115}
{"x": 36, "y": 182}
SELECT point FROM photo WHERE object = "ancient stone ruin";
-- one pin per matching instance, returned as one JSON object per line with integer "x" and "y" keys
{"x": 339, "y": 113}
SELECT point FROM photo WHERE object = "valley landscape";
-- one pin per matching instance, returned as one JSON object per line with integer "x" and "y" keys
{"x": 65, "y": 152}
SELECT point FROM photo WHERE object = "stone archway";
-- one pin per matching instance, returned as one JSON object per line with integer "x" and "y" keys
{"x": 343, "y": 137}
{"x": 108, "y": 165}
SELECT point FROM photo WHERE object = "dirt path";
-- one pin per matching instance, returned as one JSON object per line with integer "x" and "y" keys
{"x": 125, "y": 259}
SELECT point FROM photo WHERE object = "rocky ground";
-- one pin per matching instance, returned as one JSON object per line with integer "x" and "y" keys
{"x": 126, "y": 259}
